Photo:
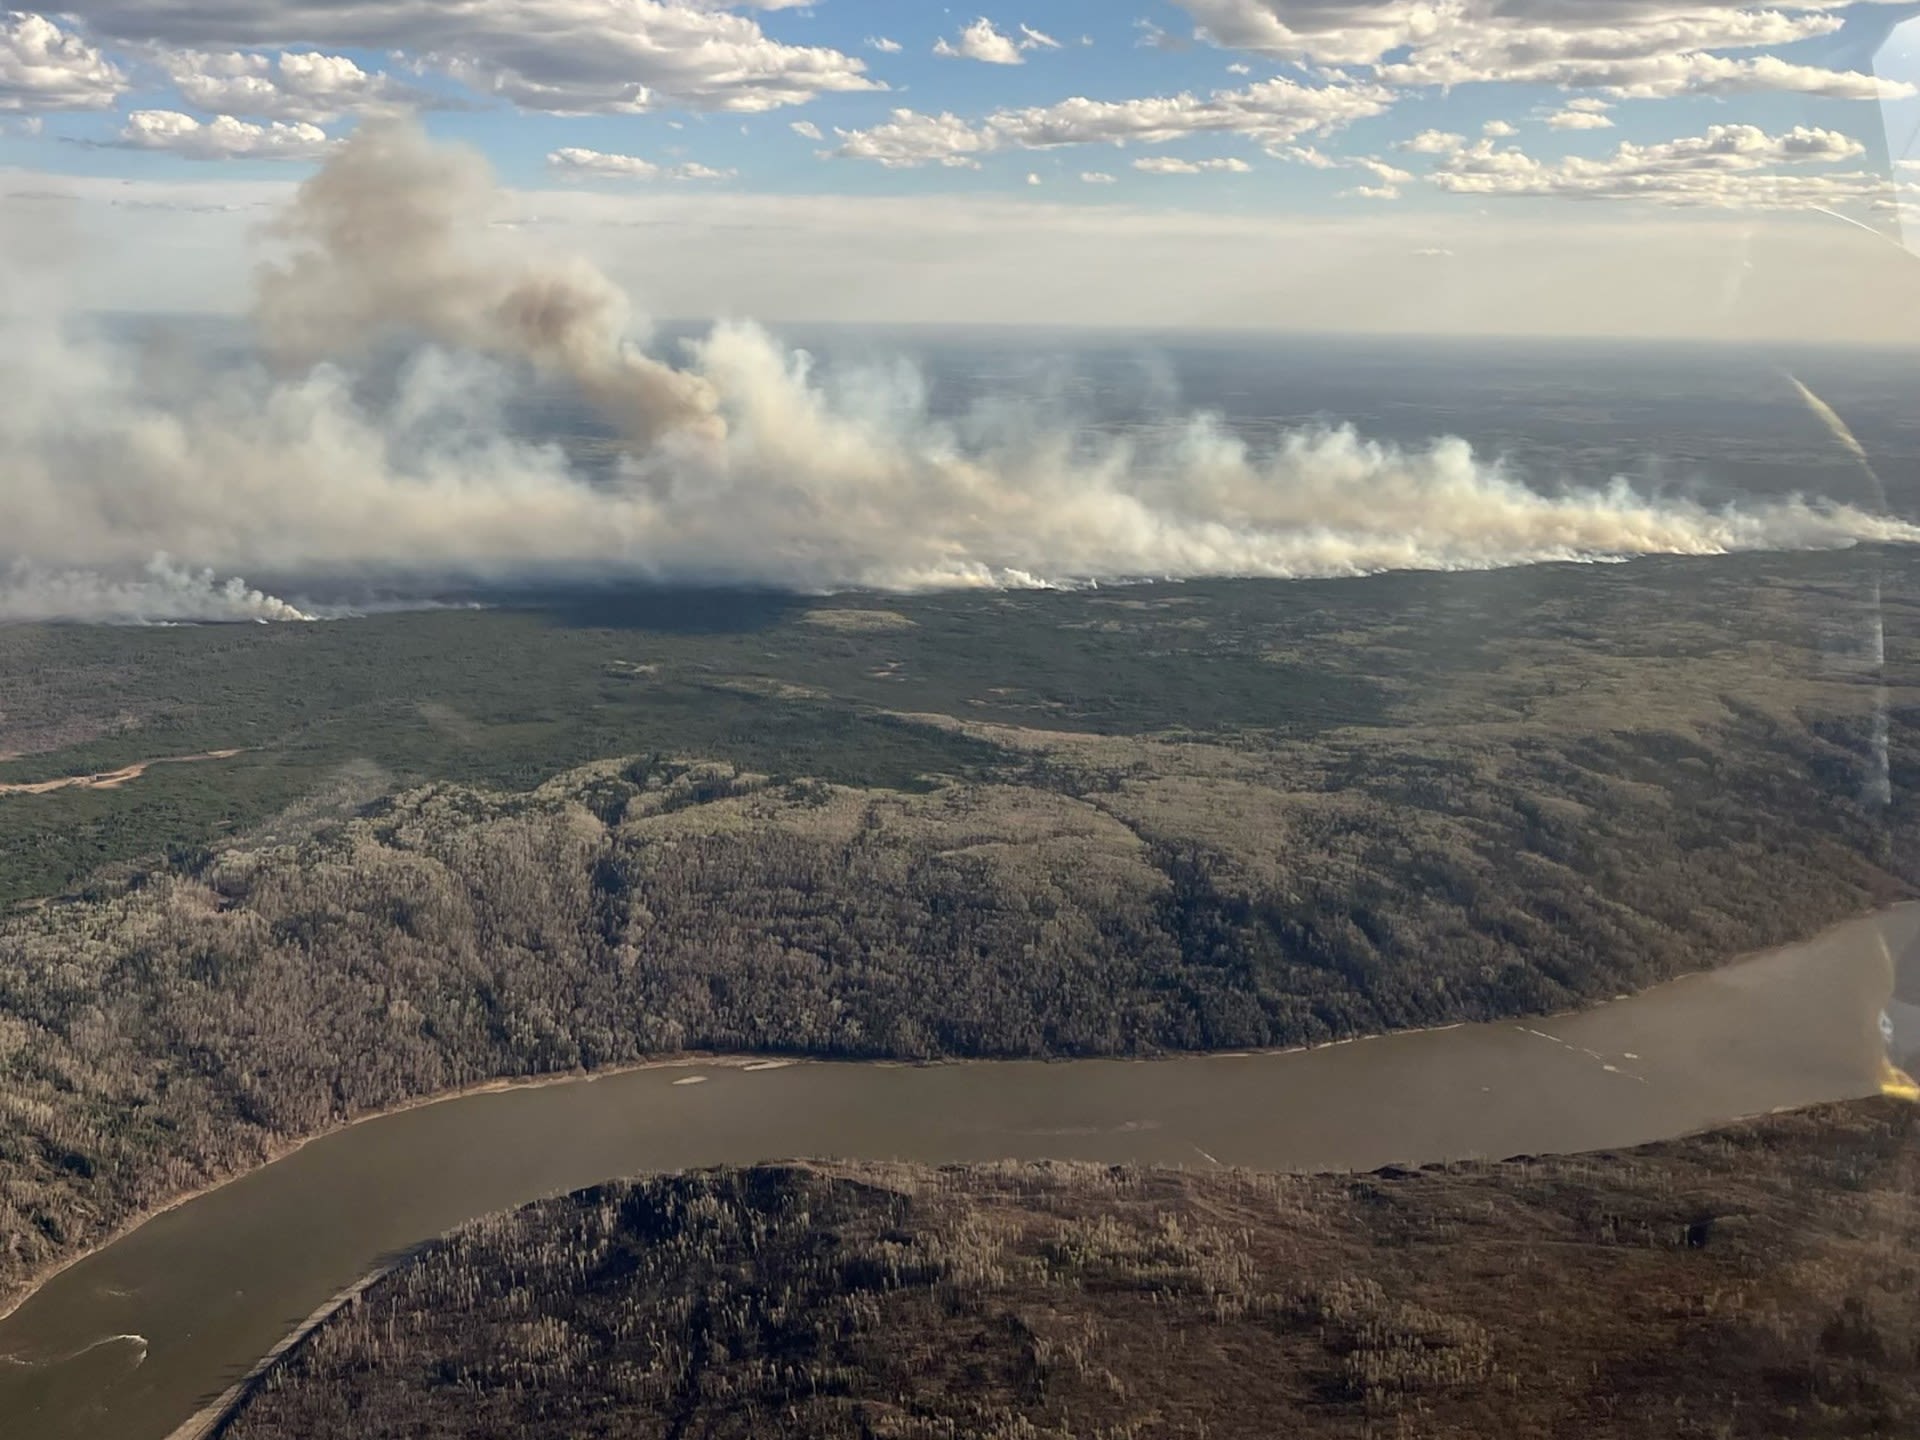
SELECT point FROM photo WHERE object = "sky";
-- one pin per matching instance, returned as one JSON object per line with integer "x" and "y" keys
{"x": 1472, "y": 166}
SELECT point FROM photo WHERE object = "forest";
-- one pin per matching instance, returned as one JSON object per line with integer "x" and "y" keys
{"x": 1756, "y": 1281}
{"x": 1465, "y": 810}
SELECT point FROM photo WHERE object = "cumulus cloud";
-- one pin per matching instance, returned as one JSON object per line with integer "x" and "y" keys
{"x": 298, "y": 86}
{"x": 1576, "y": 119}
{"x": 1729, "y": 167}
{"x": 1387, "y": 180}
{"x": 43, "y": 67}
{"x": 594, "y": 164}
{"x": 753, "y": 466}
{"x": 1387, "y": 177}
{"x": 1628, "y": 47}
{"x": 980, "y": 41}
{"x": 563, "y": 56}
{"x": 1499, "y": 129}
{"x": 222, "y": 138}
{"x": 1097, "y": 177}
{"x": 1273, "y": 112}
{"x": 806, "y": 130}
{"x": 908, "y": 138}
{"x": 884, "y": 45}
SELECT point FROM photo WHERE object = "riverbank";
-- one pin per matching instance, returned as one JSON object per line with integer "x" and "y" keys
{"x": 1784, "y": 1029}
{"x": 1660, "y": 1290}
{"x": 750, "y": 1061}
{"x": 286, "y": 1151}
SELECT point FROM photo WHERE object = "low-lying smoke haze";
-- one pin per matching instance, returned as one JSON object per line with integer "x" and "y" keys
{"x": 741, "y": 463}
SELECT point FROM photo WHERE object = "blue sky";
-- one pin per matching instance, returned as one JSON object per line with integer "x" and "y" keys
{"x": 1105, "y": 52}
{"x": 1385, "y": 116}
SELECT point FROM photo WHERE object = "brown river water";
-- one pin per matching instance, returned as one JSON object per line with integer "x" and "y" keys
{"x": 131, "y": 1342}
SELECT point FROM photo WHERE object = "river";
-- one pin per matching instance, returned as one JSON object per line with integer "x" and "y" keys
{"x": 129, "y": 1343}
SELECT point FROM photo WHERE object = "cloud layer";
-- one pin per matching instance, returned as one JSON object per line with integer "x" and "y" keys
{"x": 43, "y": 67}
{"x": 1640, "y": 48}
{"x": 1273, "y": 112}
{"x": 223, "y": 137}
{"x": 564, "y": 56}
{"x": 1731, "y": 166}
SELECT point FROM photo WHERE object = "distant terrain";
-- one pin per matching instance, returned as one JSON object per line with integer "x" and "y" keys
{"x": 1757, "y": 1281}
{"x": 459, "y": 845}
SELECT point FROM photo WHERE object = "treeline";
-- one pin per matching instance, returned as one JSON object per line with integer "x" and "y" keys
{"x": 1725, "y": 1285}
{"x": 1123, "y": 897}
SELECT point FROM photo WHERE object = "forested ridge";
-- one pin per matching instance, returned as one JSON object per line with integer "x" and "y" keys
{"x": 1416, "y": 833}
{"x": 184, "y": 1024}
{"x": 1758, "y": 1281}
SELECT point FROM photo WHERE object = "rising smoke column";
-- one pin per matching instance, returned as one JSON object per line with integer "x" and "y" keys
{"x": 394, "y": 235}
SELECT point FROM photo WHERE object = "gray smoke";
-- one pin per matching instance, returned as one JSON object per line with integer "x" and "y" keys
{"x": 394, "y": 234}
{"x": 743, "y": 465}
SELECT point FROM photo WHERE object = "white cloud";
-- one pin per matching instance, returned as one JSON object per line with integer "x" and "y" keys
{"x": 1097, "y": 177}
{"x": 222, "y": 138}
{"x": 1629, "y": 47}
{"x": 909, "y": 138}
{"x": 1730, "y": 167}
{"x": 1239, "y": 69}
{"x": 1383, "y": 172}
{"x": 1032, "y": 178}
{"x": 1273, "y": 112}
{"x": 980, "y": 41}
{"x": 299, "y": 86}
{"x": 576, "y": 163}
{"x": 1308, "y": 155}
{"x": 884, "y": 45}
{"x": 1571, "y": 119}
{"x": 1433, "y": 142}
{"x": 806, "y": 130}
{"x": 43, "y": 67}
{"x": 563, "y": 56}
{"x": 1032, "y": 39}
{"x": 1499, "y": 129}
{"x": 1171, "y": 165}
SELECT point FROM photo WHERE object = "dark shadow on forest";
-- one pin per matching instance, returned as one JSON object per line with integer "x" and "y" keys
{"x": 678, "y": 611}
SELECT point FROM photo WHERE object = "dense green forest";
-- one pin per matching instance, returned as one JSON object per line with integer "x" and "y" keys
{"x": 1178, "y": 818}
{"x": 1754, "y": 1282}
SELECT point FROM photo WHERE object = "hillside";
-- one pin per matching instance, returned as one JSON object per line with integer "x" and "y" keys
{"x": 1238, "y": 816}
{"x": 1755, "y": 1281}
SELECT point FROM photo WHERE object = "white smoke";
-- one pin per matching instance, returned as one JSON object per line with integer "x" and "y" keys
{"x": 742, "y": 465}
{"x": 161, "y": 593}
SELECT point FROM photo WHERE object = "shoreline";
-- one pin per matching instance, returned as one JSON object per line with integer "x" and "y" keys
{"x": 739, "y": 1061}
{"x": 41, "y": 1279}
{"x": 210, "y": 1418}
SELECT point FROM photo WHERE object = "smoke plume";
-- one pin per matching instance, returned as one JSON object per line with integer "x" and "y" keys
{"x": 393, "y": 235}
{"x": 163, "y": 592}
{"x": 743, "y": 464}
